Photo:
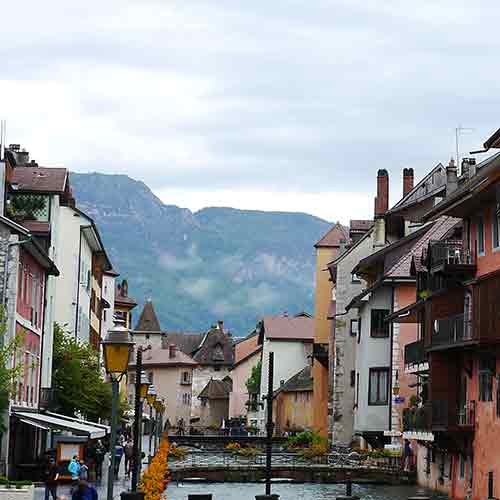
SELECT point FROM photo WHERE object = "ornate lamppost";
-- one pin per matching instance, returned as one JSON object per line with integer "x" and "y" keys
{"x": 116, "y": 349}
{"x": 151, "y": 397}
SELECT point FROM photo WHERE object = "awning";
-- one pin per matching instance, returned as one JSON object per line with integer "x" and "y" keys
{"x": 49, "y": 421}
{"x": 34, "y": 424}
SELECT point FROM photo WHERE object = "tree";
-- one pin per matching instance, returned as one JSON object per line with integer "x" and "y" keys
{"x": 9, "y": 375}
{"x": 77, "y": 380}
{"x": 253, "y": 382}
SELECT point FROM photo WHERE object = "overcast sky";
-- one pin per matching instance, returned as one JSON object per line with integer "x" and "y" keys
{"x": 282, "y": 105}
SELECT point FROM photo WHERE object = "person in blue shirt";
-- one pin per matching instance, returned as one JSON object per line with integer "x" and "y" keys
{"x": 74, "y": 469}
{"x": 84, "y": 492}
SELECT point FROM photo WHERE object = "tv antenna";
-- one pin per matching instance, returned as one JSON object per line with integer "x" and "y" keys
{"x": 458, "y": 132}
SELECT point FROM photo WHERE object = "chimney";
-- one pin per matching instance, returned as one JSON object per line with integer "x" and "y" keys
{"x": 220, "y": 325}
{"x": 382, "y": 198}
{"x": 408, "y": 180}
{"x": 468, "y": 167}
{"x": 124, "y": 288}
{"x": 381, "y": 207}
{"x": 172, "y": 350}
{"x": 451, "y": 177}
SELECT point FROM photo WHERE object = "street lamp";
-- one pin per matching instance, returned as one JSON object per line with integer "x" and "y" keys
{"x": 159, "y": 405}
{"x": 151, "y": 397}
{"x": 116, "y": 349}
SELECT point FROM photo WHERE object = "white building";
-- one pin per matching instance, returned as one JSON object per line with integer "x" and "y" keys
{"x": 291, "y": 340}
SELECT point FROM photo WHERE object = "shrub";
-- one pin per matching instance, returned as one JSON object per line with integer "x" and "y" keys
{"x": 233, "y": 446}
{"x": 306, "y": 439}
{"x": 316, "y": 450}
{"x": 176, "y": 453}
{"x": 248, "y": 452}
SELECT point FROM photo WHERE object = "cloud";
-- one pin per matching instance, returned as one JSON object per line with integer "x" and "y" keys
{"x": 190, "y": 260}
{"x": 263, "y": 296}
{"x": 226, "y": 100}
{"x": 199, "y": 288}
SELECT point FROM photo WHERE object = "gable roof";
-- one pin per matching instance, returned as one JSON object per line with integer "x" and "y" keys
{"x": 300, "y": 382}
{"x": 148, "y": 321}
{"x": 40, "y": 179}
{"x": 246, "y": 347}
{"x": 288, "y": 328}
{"x": 334, "y": 236}
{"x": 360, "y": 225}
{"x": 216, "y": 348}
{"x": 217, "y": 389}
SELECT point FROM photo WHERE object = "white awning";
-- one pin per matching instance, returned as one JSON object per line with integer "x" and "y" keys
{"x": 56, "y": 423}
{"x": 34, "y": 424}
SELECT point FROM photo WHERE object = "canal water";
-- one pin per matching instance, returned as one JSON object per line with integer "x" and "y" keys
{"x": 294, "y": 491}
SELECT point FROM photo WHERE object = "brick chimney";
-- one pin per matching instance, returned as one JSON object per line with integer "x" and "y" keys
{"x": 381, "y": 207}
{"x": 220, "y": 325}
{"x": 172, "y": 351}
{"x": 408, "y": 180}
{"x": 382, "y": 198}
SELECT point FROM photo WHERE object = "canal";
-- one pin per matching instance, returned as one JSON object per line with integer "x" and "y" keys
{"x": 294, "y": 491}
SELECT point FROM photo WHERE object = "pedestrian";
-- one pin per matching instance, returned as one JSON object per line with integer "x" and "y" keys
{"x": 84, "y": 471}
{"x": 51, "y": 477}
{"x": 84, "y": 492}
{"x": 74, "y": 470}
{"x": 129, "y": 453}
{"x": 100, "y": 451}
{"x": 407, "y": 456}
{"x": 118, "y": 458}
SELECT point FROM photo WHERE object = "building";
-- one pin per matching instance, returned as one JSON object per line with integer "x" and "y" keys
{"x": 148, "y": 330}
{"x": 455, "y": 418}
{"x": 247, "y": 354}
{"x": 293, "y": 405}
{"x": 291, "y": 339}
{"x": 171, "y": 372}
{"x": 327, "y": 248}
{"x": 214, "y": 399}
{"x": 124, "y": 304}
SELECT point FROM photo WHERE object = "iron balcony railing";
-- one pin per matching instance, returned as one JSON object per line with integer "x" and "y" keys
{"x": 415, "y": 353}
{"x": 453, "y": 330}
{"x": 450, "y": 252}
{"x": 48, "y": 400}
{"x": 435, "y": 416}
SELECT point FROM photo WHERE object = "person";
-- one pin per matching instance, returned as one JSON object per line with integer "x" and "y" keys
{"x": 407, "y": 456}
{"x": 84, "y": 471}
{"x": 129, "y": 453}
{"x": 118, "y": 458}
{"x": 84, "y": 492}
{"x": 51, "y": 477}
{"x": 74, "y": 469}
{"x": 99, "y": 459}
{"x": 180, "y": 426}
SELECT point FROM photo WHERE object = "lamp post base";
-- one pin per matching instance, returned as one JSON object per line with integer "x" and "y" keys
{"x": 274, "y": 496}
{"x": 132, "y": 495}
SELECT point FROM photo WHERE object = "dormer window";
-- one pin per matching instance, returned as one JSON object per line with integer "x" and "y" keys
{"x": 218, "y": 353}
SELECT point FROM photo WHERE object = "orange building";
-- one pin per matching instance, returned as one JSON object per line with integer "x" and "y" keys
{"x": 327, "y": 249}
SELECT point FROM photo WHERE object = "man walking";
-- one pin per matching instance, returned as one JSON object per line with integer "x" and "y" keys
{"x": 129, "y": 453}
{"x": 99, "y": 459}
{"x": 51, "y": 477}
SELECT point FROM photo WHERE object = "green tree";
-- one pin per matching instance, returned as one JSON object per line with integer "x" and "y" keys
{"x": 77, "y": 379}
{"x": 253, "y": 382}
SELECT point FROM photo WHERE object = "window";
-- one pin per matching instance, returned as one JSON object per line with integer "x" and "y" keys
{"x": 357, "y": 390}
{"x": 131, "y": 378}
{"x": 353, "y": 378}
{"x": 495, "y": 225}
{"x": 203, "y": 402}
{"x": 185, "y": 378}
{"x": 354, "y": 327}
{"x": 359, "y": 330}
{"x": 104, "y": 315}
{"x": 462, "y": 466}
{"x": 486, "y": 372}
{"x": 355, "y": 278}
{"x": 150, "y": 377}
{"x": 480, "y": 235}
{"x": 379, "y": 328}
{"x": 378, "y": 386}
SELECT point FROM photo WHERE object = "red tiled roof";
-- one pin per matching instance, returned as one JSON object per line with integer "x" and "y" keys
{"x": 334, "y": 236}
{"x": 360, "y": 225}
{"x": 246, "y": 347}
{"x": 217, "y": 389}
{"x": 289, "y": 328}
{"x": 40, "y": 179}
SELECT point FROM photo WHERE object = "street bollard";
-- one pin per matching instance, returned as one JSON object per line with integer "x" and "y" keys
{"x": 273, "y": 496}
{"x": 200, "y": 496}
{"x": 348, "y": 487}
{"x": 132, "y": 495}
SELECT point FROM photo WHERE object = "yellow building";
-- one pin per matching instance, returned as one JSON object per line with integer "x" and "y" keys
{"x": 124, "y": 304}
{"x": 327, "y": 249}
{"x": 293, "y": 404}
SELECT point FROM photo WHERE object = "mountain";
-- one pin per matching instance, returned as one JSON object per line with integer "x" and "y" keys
{"x": 217, "y": 263}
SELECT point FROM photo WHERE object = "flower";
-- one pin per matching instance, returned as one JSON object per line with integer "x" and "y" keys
{"x": 155, "y": 478}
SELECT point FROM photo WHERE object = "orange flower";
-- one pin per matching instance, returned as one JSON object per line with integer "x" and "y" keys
{"x": 155, "y": 478}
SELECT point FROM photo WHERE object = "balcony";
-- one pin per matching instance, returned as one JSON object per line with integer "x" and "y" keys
{"x": 466, "y": 415}
{"x": 452, "y": 331}
{"x": 415, "y": 357}
{"x": 48, "y": 399}
{"x": 320, "y": 353}
{"x": 450, "y": 257}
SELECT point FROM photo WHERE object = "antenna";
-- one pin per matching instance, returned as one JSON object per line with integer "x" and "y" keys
{"x": 458, "y": 132}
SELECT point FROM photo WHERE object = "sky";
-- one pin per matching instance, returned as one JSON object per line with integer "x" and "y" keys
{"x": 283, "y": 105}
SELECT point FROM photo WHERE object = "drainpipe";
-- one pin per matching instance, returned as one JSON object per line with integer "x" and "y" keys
{"x": 391, "y": 333}
{"x": 79, "y": 284}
